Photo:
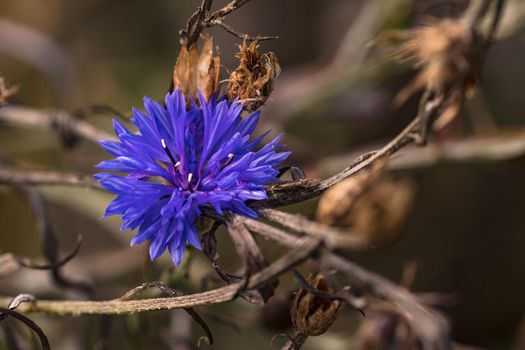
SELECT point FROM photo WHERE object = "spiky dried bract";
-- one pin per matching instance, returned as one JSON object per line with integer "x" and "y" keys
{"x": 448, "y": 55}
{"x": 312, "y": 314}
{"x": 371, "y": 203}
{"x": 252, "y": 80}
{"x": 197, "y": 70}
{"x": 185, "y": 159}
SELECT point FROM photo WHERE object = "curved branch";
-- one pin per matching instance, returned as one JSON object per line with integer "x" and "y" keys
{"x": 52, "y": 120}
{"x": 294, "y": 257}
{"x": 30, "y": 323}
{"x": 18, "y": 176}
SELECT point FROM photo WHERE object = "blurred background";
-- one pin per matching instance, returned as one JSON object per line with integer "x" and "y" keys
{"x": 334, "y": 100}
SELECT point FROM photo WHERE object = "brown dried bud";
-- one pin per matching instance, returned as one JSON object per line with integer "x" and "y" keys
{"x": 371, "y": 203}
{"x": 337, "y": 203}
{"x": 197, "y": 69}
{"x": 252, "y": 80}
{"x": 385, "y": 327}
{"x": 311, "y": 314}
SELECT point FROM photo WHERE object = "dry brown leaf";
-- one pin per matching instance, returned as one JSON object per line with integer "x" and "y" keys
{"x": 197, "y": 69}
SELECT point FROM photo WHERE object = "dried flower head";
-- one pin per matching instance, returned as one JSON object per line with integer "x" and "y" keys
{"x": 372, "y": 203}
{"x": 197, "y": 70}
{"x": 185, "y": 159}
{"x": 447, "y": 53}
{"x": 312, "y": 314}
{"x": 252, "y": 80}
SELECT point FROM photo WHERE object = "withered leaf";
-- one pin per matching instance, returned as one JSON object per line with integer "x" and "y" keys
{"x": 197, "y": 69}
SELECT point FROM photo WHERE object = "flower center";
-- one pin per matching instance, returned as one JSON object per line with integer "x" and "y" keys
{"x": 177, "y": 174}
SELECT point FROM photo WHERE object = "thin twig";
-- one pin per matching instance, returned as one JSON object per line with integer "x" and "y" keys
{"x": 294, "y": 257}
{"x": 295, "y": 342}
{"x": 50, "y": 244}
{"x": 19, "y": 176}
{"x": 52, "y": 120}
{"x": 250, "y": 253}
{"x": 10, "y": 263}
{"x": 202, "y": 18}
{"x": 404, "y": 138}
{"x": 356, "y": 303}
{"x": 332, "y": 237}
{"x": 28, "y": 322}
{"x": 232, "y": 31}
{"x": 25, "y": 262}
{"x": 431, "y": 327}
{"x": 172, "y": 293}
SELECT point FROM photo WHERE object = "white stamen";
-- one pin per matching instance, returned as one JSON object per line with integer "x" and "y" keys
{"x": 190, "y": 175}
{"x": 177, "y": 165}
{"x": 230, "y": 156}
{"x": 163, "y": 143}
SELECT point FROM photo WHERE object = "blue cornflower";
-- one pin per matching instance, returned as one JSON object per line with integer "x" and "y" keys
{"x": 182, "y": 160}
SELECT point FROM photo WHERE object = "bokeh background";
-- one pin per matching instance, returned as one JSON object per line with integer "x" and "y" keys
{"x": 334, "y": 99}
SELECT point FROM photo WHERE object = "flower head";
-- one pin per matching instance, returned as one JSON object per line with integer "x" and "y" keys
{"x": 182, "y": 160}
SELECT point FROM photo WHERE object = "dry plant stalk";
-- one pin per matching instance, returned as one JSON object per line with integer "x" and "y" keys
{"x": 372, "y": 203}
{"x": 447, "y": 53}
{"x": 312, "y": 314}
{"x": 197, "y": 69}
{"x": 252, "y": 80}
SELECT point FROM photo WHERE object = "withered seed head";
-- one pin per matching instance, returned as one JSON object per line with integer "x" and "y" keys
{"x": 311, "y": 314}
{"x": 448, "y": 55}
{"x": 197, "y": 69}
{"x": 252, "y": 80}
{"x": 371, "y": 203}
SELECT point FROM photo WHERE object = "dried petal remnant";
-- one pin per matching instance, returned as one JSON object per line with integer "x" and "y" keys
{"x": 197, "y": 70}
{"x": 311, "y": 314}
{"x": 252, "y": 80}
